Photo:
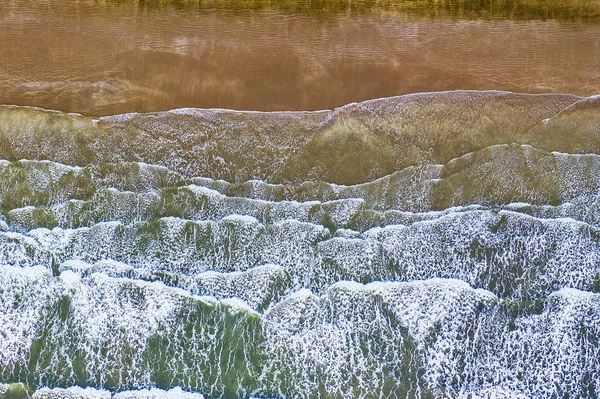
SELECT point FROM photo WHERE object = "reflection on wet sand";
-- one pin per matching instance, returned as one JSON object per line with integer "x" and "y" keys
{"x": 113, "y": 58}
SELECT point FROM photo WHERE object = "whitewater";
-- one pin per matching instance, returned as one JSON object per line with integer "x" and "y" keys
{"x": 432, "y": 245}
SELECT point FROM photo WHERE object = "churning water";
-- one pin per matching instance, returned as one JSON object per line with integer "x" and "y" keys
{"x": 433, "y": 245}
{"x": 203, "y": 249}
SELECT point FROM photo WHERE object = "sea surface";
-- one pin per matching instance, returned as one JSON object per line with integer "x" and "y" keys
{"x": 260, "y": 199}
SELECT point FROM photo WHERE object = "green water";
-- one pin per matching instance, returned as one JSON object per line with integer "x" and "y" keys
{"x": 431, "y": 245}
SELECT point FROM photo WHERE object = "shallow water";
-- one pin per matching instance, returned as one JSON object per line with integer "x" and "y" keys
{"x": 116, "y": 57}
{"x": 427, "y": 245}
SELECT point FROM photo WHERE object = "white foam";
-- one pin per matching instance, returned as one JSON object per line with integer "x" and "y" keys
{"x": 237, "y": 305}
{"x": 155, "y": 393}
{"x": 3, "y": 387}
{"x": 74, "y": 392}
{"x": 70, "y": 278}
{"x": 74, "y": 265}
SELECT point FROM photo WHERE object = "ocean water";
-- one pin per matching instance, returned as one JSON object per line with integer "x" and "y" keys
{"x": 435, "y": 245}
{"x": 281, "y": 199}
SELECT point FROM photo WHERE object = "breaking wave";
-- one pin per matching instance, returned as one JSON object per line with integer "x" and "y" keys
{"x": 438, "y": 245}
